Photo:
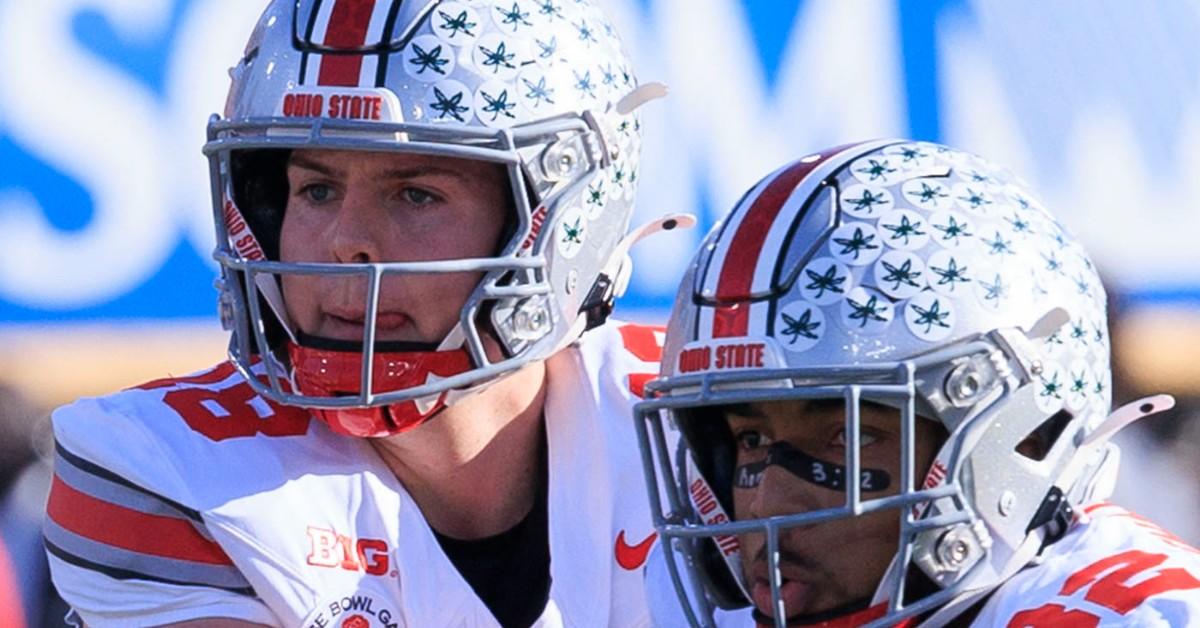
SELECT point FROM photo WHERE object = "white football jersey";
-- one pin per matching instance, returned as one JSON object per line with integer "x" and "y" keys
{"x": 194, "y": 497}
{"x": 1112, "y": 568}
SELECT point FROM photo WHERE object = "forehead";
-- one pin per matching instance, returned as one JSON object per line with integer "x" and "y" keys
{"x": 799, "y": 415}
{"x": 349, "y": 162}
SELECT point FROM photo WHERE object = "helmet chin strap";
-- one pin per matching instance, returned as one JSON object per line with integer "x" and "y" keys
{"x": 455, "y": 339}
{"x": 269, "y": 289}
{"x": 613, "y": 279}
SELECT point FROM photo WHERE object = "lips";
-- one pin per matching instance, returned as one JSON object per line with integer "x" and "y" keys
{"x": 794, "y": 593}
{"x": 346, "y": 325}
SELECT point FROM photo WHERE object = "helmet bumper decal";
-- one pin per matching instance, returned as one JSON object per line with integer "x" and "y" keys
{"x": 728, "y": 354}
{"x": 341, "y": 103}
{"x": 325, "y": 373}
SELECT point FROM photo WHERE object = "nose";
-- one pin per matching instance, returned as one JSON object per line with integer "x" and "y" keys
{"x": 777, "y": 493}
{"x": 358, "y": 229}
{"x": 771, "y": 496}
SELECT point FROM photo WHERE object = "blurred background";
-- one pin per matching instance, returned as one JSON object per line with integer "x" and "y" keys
{"x": 106, "y": 281}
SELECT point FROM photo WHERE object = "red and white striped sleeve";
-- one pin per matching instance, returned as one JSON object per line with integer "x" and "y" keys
{"x": 122, "y": 554}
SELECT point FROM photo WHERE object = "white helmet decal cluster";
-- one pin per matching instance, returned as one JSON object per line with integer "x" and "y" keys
{"x": 518, "y": 48}
{"x": 926, "y": 245}
{"x": 928, "y": 234}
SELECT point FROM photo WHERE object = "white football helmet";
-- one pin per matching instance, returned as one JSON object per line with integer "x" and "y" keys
{"x": 541, "y": 87}
{"x": 912, "y": 275}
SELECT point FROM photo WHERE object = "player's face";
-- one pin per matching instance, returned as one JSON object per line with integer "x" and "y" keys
{"x": 826, "y": 565}
{"x": 356, "y": 207}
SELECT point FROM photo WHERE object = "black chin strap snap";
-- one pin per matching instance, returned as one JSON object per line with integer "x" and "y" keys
{"x": 1055, "y": 514}
{"x": 598, "y": 303}
{"x": 813, "y": 470}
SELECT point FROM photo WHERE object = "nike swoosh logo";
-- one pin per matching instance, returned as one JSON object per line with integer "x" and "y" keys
{"x": 631, "y": 557}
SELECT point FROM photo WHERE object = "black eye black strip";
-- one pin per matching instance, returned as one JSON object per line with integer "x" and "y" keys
{"x": 820, "y": 472}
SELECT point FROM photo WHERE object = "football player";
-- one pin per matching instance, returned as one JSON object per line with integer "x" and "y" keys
{"x": 889, "y": 366}
{"x": 420, "y": 207}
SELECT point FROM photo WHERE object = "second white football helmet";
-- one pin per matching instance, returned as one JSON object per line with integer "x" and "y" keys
{"x": 911, "y": 275}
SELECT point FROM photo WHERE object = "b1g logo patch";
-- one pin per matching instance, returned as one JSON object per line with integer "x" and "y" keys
{"x": 327, "y": 548}
{"x": 357, "y": 610}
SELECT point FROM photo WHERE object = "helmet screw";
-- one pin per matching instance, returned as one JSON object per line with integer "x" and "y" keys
{"x": 958, "y": 552}
{"x": 572, "y": 282}
{"x": 537, "y": 320}
{"x": 968, "y": 386}
{"x": 1007, "y": 501}
{"x": 1037, "y": 367}
{"x": 955, "y": 547}
{"x": 560, "y": 160}
{"x": 968, "y": 382}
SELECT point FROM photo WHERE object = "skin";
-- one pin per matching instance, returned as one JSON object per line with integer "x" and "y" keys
{"x": 356, "y": 207}
{"x": 473, "y": 470}
{"x": 830, "y": 564}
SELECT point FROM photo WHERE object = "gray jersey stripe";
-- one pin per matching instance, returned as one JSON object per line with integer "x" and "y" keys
{"x": 107, "y": 558}
{"x": 63, "y": 455}
{"x": 120, "y": 494}
{"x": 56, "y": 553}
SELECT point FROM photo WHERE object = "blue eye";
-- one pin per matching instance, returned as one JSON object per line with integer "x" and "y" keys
{"x": 417, "y": 196}
{"x": 317, "y": 192}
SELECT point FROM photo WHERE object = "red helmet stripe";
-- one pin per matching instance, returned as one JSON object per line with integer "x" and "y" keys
{"x": 741, "y": 259}
{"x": 347, "y": 29}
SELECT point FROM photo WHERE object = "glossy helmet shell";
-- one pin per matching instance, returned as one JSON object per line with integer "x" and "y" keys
{"x": 534, "y": 86}
{"x": 917, "y": 276}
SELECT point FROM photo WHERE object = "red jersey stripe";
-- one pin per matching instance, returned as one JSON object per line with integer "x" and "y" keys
{"x": 737, "y": 273}
{"x": 128, "y": 529}
{"x": 347, "y": 29}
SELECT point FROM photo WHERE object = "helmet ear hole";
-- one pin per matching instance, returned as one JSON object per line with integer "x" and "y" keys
{"x": 1038, "y": 442}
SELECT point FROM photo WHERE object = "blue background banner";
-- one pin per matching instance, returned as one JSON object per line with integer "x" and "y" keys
{"x": 104, "y": 198}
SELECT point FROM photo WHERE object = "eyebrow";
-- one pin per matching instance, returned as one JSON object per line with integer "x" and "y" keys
{"x": 299, "y": 161}
{"x": 410, "y": 172}
{"x": 414, "y": 172}
{"x": 746, "y": 410}
{"x": 751, "y": 411}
